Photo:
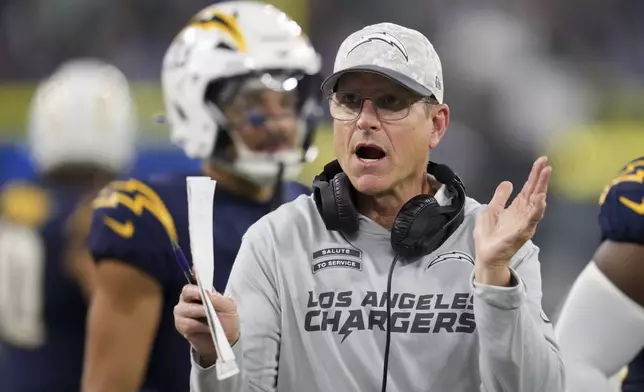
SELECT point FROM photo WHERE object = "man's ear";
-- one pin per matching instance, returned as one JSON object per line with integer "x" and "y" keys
{"x": 439, "y": 114}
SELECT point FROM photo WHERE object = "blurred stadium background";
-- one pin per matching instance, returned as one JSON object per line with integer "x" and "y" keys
{"x": 523, "y": 78}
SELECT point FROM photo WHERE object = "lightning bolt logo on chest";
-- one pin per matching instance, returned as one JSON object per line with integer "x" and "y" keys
{"x": 384, "y": 37}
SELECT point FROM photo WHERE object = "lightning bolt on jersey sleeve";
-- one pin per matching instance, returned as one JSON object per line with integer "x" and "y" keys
{"x": 132, "y": 224}
{"x": 312, "y": 308}
{"x": 621, "y": 214}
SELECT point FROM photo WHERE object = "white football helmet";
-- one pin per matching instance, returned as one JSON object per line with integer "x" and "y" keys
{"x": 83, "y": 114}
{"x": 231, "y": 40}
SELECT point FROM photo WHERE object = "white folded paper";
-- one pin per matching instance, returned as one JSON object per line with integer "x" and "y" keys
{"x": 201, "y": 192}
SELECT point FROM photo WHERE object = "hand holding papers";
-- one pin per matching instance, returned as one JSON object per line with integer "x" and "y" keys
{"x": 201, "y": 191}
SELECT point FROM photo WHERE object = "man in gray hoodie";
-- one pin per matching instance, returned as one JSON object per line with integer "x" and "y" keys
{"x": 306, "y": 307}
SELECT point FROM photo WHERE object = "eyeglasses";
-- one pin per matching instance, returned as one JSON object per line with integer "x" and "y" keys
{"x": 347, "y": 106}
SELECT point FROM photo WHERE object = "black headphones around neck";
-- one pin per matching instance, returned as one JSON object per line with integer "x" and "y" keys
{"x": 421, "y": 226}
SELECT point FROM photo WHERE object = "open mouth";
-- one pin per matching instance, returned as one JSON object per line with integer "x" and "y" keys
{"x": 370, "y": 153}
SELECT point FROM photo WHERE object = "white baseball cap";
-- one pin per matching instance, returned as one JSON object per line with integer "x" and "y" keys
{"x": 403, "y": 55}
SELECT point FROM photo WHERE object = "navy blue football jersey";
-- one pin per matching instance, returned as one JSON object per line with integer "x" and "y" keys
{"x": 621, "y": 219}
{"x": 42, "y": 308}
{"x": 621, "y": 215}
{"x": 137, "y": 221}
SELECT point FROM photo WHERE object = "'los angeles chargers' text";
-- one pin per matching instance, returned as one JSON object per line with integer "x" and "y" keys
{"x": 410, "y": 313}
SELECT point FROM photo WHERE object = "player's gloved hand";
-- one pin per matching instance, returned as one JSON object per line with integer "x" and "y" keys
{"x": 500, "y": 231}
{"x": 188, "y": 313}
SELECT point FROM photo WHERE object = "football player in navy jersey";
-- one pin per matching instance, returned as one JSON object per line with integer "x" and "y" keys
{"x": 240, "y": 84}
{"x": 81, "y": 135}
{"x": 601, "y": 327}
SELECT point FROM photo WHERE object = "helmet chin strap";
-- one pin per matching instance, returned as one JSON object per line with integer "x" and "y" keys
{"x": 276, "y": 182}
{"x": 278, "y": 190}
{"x": 261, "y": 168}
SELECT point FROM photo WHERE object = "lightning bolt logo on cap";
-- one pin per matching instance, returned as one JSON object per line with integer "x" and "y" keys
{"x": 384, "y": 37}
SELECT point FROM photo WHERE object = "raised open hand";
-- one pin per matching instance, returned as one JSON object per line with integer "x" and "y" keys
{"x": 500, "y": 231}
